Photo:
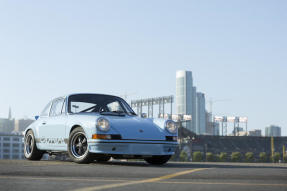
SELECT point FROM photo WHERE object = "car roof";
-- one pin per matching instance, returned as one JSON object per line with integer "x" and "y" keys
{"x": 65, "y": 96}
{"x": 91, "y": 94}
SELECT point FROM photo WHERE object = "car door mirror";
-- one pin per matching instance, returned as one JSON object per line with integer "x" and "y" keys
{"x": 37, "y": 117}
{"x": 143, "y": 115}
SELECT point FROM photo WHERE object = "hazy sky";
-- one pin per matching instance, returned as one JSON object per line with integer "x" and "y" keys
{"x": 237, "y": 50}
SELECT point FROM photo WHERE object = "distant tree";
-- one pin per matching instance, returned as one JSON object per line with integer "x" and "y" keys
{"x": 249, "y": 157}
{"x": 263, "y": 157}
{"x": 236, "y": 157}
{"x": 183, "y": 156}
{"x": 216, "y": 158}
{"x": 173, "y": 158}
{"x": 284, "y": 157}
{"x": 223, "y": 157}
{"x": 197, "y": 156}
{"x": 276, "y": 157}
{"x": 209, "y": 157}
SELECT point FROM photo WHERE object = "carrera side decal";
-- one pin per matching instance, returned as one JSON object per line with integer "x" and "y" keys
{"x": 52, "y": 141}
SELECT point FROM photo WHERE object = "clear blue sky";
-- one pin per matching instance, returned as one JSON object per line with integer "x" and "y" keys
{"x": 235, "y": 49}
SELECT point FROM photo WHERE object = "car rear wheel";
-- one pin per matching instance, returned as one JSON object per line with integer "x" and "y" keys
{"x": 158, "y": 160}
{"x": 78, "y": 146}
{"x": 31, "y": 151}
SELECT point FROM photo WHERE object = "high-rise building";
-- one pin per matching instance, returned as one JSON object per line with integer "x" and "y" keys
{"x": 273, "y": 131}
{"x": 239, "y": 131}
{"x": 184, "y": 95}
{"x": 209, "y": 124}
{"x": 11, "y": 146}
{"x": 215, "y": 128}
{"x": 212, "y": 128}
{"x": 193, "y": 113}
{"x": 189, "y": 102}
{"x": 255, "y": 132}
{"x": 22, "y": 124}
{"x": 6, "y": 125}
{"x": 11, "y": 125}
{"x": 200, "y": 114}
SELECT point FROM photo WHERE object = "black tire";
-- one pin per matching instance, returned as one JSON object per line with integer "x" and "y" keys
{"x": 78, "y": 147}
{"x": 158, "y": 160}
{"x": 31, "y": 152}
{"x": 102, "y": 158}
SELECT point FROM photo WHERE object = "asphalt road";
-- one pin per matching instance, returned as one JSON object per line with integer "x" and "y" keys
{"x": 117, "y": 175}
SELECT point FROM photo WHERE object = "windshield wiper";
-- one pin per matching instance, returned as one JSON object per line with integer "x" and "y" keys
{"x": 120, "y": 112}
{"x": 115, "y": 113}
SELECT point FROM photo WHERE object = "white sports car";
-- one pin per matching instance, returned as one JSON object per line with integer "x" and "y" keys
{"x": 97, "y": 127}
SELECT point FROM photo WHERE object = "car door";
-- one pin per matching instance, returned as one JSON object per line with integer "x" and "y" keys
{"x": 53, "y": 127}
{"x": 40, "y": 123}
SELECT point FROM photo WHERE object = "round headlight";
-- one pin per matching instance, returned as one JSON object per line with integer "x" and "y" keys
{"x": 171, "y": 126}
{"x": 103, "y": 124}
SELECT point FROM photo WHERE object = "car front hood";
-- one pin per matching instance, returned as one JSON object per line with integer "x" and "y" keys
{"x": 135, "y": 128}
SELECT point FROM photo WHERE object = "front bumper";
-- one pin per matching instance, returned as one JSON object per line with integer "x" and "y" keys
{"x": 134, "y": 147}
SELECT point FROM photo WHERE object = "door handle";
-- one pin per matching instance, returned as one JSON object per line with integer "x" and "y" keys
{"x": 44, "y": 123}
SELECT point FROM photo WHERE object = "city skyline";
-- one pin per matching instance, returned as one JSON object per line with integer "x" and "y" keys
{"x": 236, "y": 51}
{"x": 185, "y": 105}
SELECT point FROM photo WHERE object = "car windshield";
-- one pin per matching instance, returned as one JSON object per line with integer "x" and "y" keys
{"x": 104, "y": 104}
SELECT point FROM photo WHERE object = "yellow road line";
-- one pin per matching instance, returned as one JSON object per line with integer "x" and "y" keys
{"x": 116, "y": 185}
{"x": 62, "y": 179}
{"x": 225, "y": 183}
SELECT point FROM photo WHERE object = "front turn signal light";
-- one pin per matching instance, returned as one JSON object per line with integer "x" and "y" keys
{"x": 101, "y": 136}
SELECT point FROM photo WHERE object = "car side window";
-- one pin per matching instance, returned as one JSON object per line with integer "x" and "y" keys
{"x": 114, "y": 106}
{"x": 64, "y": 106}
{"x": 46, "y": 110}
{"x": 56, "y": 108}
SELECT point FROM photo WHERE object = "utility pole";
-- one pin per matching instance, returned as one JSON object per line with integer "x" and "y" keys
{"x": 284, "y": 154}
{"x": 272, "y": 148}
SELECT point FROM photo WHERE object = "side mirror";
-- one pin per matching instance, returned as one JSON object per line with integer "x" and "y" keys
{"x": 37, "y": 117}
{"x": 143, "y": 115}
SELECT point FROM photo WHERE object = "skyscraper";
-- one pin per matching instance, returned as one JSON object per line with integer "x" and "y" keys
{"x": 272, "y": 131}
{"x": 193, "y": 113}
{"x": 200, "y": 114}
{"x": 184, "y": 94}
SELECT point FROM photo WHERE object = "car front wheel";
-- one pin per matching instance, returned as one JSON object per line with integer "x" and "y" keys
{"x": 78, "y": 146}
{"x": 31, "y": 151}
{"x": 158, "y": 160}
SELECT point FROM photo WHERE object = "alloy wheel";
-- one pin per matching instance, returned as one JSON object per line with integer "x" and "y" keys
{"x": 79, "y": 146}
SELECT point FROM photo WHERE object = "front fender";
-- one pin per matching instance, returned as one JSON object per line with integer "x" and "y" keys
{"x": 33, "y": 128}
{"x": 88, "y": 128}
{"x": 161, "y": 124}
